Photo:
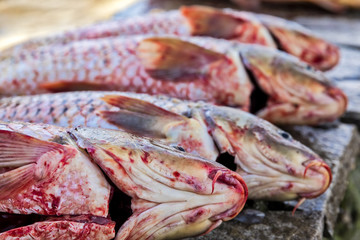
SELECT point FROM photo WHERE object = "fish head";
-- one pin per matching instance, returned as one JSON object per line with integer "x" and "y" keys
{"x": 174, "y": 194}
{"x": 272, "y": 163}
{"x": 301, "y": 42}
{"x": 297, "y": 93}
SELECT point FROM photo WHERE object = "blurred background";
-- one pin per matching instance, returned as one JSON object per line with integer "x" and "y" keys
{"x": 24, "y": 19}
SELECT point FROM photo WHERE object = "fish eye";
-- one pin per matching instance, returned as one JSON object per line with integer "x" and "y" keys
{"x": 179, "y": 148}
{"x": 285, "y": 135}
{"x": 309, "y": 67}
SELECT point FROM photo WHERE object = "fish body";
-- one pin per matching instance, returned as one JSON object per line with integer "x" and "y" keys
{"x": 192, "y": 68}
{"x": 272, "y": 163}
{"x": 174, "y": 195}
{"x": 244, "y": 27}
{"x": 158, "y": 66}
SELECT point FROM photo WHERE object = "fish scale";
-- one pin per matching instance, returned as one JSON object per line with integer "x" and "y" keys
{"x": 80, "y": 109}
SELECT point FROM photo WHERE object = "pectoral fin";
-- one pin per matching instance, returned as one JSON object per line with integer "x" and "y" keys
{"x": 138, "y": 116}
{"x": 208, "y": 21}
{"x": 18, "y": 157}
{"x": 172, "y": 59}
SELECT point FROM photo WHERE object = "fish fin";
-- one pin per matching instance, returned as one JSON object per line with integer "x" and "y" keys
{"x": 18, "y": 156}
{"x": 140, "y": 106}
{"x": 249, "y": 5}
{"x": 66, "y": 86}
{"x": 208, "y": 21}
{"x": 175, "y": 60}
{"x": 330, "y": 5}
{"x": 138, "y": 116}
{"x": 16, "y": 180}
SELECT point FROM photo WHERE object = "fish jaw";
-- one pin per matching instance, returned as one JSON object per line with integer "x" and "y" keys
{"x": 300, "y": 42}
{"x": 59, "y": 180}
{"x": 81, "y": 227}
{"x": 171, "y": 191}
{"x": 273, "y": 165}
{"x": 298, "y": 94}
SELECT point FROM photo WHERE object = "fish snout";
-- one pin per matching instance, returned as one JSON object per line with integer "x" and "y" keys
{"x": 239, "y": 192}
{"x": 317, "y": 167}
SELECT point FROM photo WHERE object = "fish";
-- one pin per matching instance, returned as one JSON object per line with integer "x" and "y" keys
{"x": 190, "y": 68}
{"x": 336, "y": 6}
{"x": 173, "y": 194}
{"x": 69, "y": 227}
{"x": 239, "y": 26}
{"x": 177, "y": 68}
{"x": 273, "y": 164}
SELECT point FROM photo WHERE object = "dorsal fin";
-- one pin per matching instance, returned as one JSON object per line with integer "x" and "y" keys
{"x": 175, "y": 60}
{"x": 208, "y": 21}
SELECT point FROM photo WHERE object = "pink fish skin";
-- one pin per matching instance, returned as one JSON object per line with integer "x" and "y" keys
{"x": 168, "y": 66}
{"x": 244, "y": 27}
{"x": 82, "y": 228}
{"x": 39, "y": 169}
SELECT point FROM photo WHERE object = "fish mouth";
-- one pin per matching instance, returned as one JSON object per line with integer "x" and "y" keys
{"x": 279, "y": 179}
{"x": 236, "y": 181}
{"x": 319, "y": 167}
{"x": 185, "y": 218}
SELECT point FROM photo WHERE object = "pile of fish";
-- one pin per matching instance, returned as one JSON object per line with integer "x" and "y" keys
{"x": 98, "y": 163}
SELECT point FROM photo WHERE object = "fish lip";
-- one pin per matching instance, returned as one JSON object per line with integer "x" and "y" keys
{"x": 321, "y": 167}
{"x": 233, "y": 179}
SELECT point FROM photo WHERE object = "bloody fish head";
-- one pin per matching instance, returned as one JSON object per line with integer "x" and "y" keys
{"x": 273, "y": 165}
{"x": 300, "y": 42}
{"x": 297, "y": 93}
{"x": 174, "y": 195}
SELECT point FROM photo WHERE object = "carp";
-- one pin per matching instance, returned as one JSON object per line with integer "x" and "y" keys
{"x": 54, "y": 172}
{"x": 272, "y": 163}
